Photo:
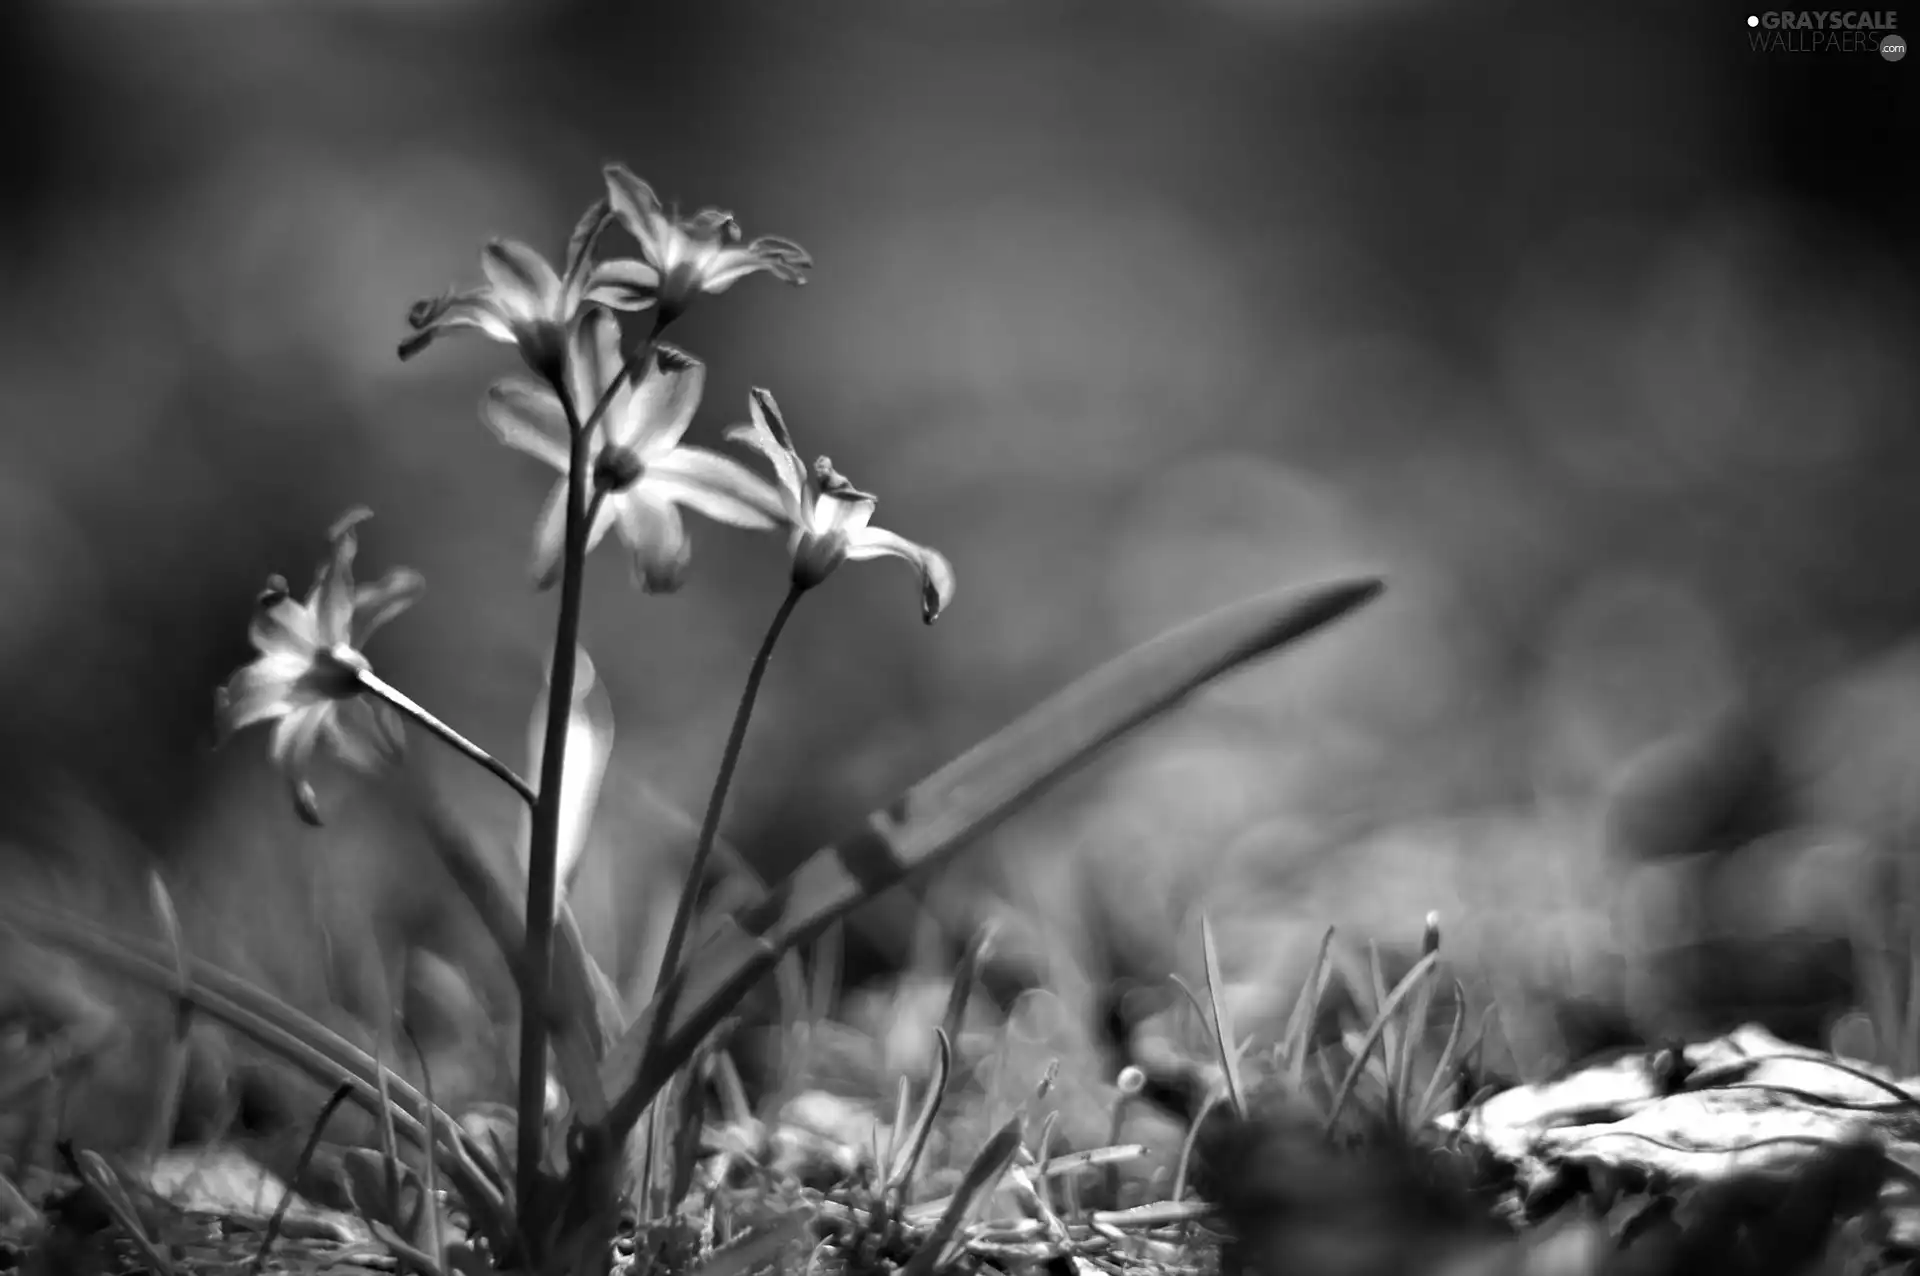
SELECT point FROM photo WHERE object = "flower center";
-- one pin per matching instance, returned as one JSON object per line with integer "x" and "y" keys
{"x": 336, "y": 671}
{"x": 617, "y": 469}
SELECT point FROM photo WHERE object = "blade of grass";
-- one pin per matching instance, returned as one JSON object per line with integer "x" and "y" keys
{"x": 1389, "y": 1033}
{"x": 758, "y": 1251}
{"x": 896, "y": 1130}
{"x": 963, "y": 979}
{"x": 906, "y": 1156}
{"x": 434, "y": 1236}
{"x": 1417, "y": 1015}
{"x": 90, "y": 1168}
{"x": 1444, "y": 1067}
{"x": 943, "y": 814}
{"x": 982, "y": 1176}
{"x": 1207, "y": 1106}
{"x": 173, "y": 1068}
{"x": 691, "y": 1114}
{"x": 1152, "y": 1217}
{"x": 1061, "y": 1166}
{"x": 1223, "y": 1034}
{"x": 307, "y": 1150}
{"x": 1401, "y": 991}
{"x": 1306, "y": 1009}
{"x": 312, "y": 1047}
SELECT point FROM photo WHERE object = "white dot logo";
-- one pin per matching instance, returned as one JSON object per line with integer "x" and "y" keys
{"x": 1753, "y": 19}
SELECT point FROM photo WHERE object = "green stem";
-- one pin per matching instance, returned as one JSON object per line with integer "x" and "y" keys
{"x": 634, "y": 367}
{"x": 543, "y": 845}
{"x": 376, "y": 685}
{"x": 667, "y": 986}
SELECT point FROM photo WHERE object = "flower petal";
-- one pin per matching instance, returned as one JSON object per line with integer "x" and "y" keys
{"x": 638, "y": 209}
{"x": 374, "y": 605}
{"x": 663, "y": 404}
{"x": 580, "y": 246}
{"x": 593, "y": 361}
{"x": 366, "y": 734}
{"x": 623, "y": 284}
{"x": 283, "y": 625}
{"x": 845, "y": 510}
{"x": 657, "y": 536}
{"x": 781, "y": 258}
{"x": 527, "y": 417}
{"x": 589, "y": 745}
{"x": 550, "y": 531}
{"x": 717, "y": 486}
{"x": 524, "y": 285}
{"x": 936, "y": 573}
{"x": 257, "y": 692}
{"x": 767, "y": 434}
{"x": 436, "y": 316}
{"x": 295, "y": 734}
{"x": 333, "y": 590}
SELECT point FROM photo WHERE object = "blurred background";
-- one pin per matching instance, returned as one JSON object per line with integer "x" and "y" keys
{"x": 1586, "y": 325}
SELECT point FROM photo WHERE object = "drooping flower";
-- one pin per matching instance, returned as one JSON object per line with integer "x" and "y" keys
{"x": 697, "y": 254}
{"x": 829, "y": 518}
{"x": 642, "y": 472}
{"x": 525, "y": 303}
{"x": 306, "y": 679}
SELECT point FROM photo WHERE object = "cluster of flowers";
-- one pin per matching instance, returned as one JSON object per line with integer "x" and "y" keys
{"x": 612, "y": 424}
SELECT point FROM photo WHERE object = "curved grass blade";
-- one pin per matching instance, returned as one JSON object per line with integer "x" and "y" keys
{"x": 92, "y": 1169}
{"x": 1306, "y": 1008}
{"x": 941, "y": 1248}
{"x": 1223, "y": 1034}
{"x": 312, "y": 1145}
{"x": 312, "y": 1047}
{"x": 906, "y": 1156}
{"x": 1381, "y": 1021}
{"x": 963, "y": 979}
{"x": 1402, "y": 1087}
{"x": 1444, "y": 1068}
{"x": 173, "y": 1073}
{"x": 759, "y": 1251}
{"x": 946, "y": 812}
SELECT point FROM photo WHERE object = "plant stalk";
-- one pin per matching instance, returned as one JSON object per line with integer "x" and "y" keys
{"x": 543, "y": 844}
{"x": 667, "y": 986}
{"x": 544, "y": 840}
{"x": 378, "y": 686}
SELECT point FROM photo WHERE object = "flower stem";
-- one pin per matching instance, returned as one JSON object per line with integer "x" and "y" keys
{"x": 667, "y": 986}
{"x": 543, "y": 845}
{"x": 376, "y": 685}
{"x": 634, "y": 368}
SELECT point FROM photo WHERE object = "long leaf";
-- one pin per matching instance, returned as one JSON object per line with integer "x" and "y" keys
{"x": 312, "y": 1047}
{"x": 1383, "y": 1018}
{"x": 173, "y": 1075}
{"x": 1224, "y": 1037}
{"x": 589, "y": 745}
{"x": 944, "y": 813}
{"x": 584, "y": 1011}
{"x": 981, "y": 1178}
